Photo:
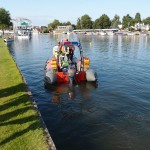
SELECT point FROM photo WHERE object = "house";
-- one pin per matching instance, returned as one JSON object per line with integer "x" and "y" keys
{"x": 141, "y": 26}
{"x": 63, "y": 29}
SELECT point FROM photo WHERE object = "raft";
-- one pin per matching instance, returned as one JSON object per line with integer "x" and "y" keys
{"x": 64, "y": 67}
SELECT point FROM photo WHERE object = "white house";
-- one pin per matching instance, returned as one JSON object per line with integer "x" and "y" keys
{"x": 140, "y": 26}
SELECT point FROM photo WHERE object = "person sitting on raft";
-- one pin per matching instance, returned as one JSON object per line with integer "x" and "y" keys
{"x": 69, "y": 53}
{"x": 56, "y": 50}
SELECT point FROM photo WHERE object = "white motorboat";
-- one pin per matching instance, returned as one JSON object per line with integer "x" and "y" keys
{"x": 130, "y": 33}
{"x": 110, "y": 33}
{"x": 102, "y": 33}
{"x": 22, "y": 28}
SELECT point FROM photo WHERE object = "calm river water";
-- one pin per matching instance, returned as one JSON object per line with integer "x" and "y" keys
{"x": 113, "y": 116}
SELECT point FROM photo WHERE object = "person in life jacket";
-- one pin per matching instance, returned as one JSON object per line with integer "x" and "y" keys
{"x": 61, "y": 55}
{"x": 71, "y": 52}
{"x": 56, "y": 50}
{"x": 67, "y": 53}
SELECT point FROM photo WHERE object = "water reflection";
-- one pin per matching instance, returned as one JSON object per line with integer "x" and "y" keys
{"x": 70, "y": 98}
{"x": 61, "y": 89}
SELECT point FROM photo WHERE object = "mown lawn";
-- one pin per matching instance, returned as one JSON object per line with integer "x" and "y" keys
{"x": 20, "y": 126}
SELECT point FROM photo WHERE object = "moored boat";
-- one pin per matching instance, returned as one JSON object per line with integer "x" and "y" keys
{"x": 110, "y": 33}
{"x": 65, "y": 67}
{"x": 9, "y": 39}
{"x": 102, "y": 33}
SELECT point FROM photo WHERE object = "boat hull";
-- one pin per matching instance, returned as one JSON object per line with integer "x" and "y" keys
{"x": 53, "y": 77}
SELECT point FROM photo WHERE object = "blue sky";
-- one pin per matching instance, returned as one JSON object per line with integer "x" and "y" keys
{"x": 43, "y": 12}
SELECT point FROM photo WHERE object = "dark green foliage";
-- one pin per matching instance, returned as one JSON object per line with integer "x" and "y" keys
{"x": 147, "y": 20}
{"x": 54, "y": 24}
{"x": 74, "y": 26}
{"x": 96, "y": 24}
{"x": 127, "y": 21}
{"x": 105, "y": 22}
{"x": 86, "y": 22}
{"x": 78, "y": 26}
{"x": 137, "y": 18}
{"x": 4, "y": 18}
{"x": 66, "y": 23}
{"x": 102, "y": 23}
{"x": 115, "y": 22}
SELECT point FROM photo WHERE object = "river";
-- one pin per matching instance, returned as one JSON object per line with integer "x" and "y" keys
{"x": 112, "y": 116}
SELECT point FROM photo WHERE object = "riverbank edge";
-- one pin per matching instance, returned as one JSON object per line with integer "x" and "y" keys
{"x": 30, "y": 98}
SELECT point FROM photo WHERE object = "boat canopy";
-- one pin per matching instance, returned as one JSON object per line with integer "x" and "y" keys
{"x": 68, "y": 43}
{"x": 24, "y": 23}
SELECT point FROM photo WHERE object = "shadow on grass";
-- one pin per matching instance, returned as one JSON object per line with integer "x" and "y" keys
{"x": 12, "y": 90}
{"x": 20, "y": 108}
{"x": 33, "y": 126}
{"x": 22, "y": 100}
{"x": 15, "y": 107}
{"x": 20, "y": 121}
{"x": 14, "y": 113}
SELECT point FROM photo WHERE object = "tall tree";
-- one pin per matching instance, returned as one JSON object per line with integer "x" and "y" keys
{"x": 86, "y": 22}
{"x": 146, "y": 20}
{"x": 115, "y": 22}
{"x": 137, "y": 18}
{"x": 127, "y": 21}
{"x": 54, "y": 24}
{"x": 78, "y": 26}
{"x": 104, "y": 22}
{"x": 96, "y": 24}
{"x": 66, "y": 23}
{"x": 4, "y": 18}
{"x": 74, "y": 26}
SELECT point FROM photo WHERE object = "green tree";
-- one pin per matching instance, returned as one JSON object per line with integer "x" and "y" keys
{"x": 78, "y": 26}
{"x": 127, "y": 21}
{"x": 96, "y": 24}
{"x": 137, "y": 18}
{"x": 54, "y": 24}
{"x": 115, "y": 22}
{"x": 4, "y": 19}
{"x": 86, "y": 22}
{"x": 146, "y": 20}
{"x": 104, "y": 22}
{"x": 66, "y": 23}
{"x": 74, "y": 27}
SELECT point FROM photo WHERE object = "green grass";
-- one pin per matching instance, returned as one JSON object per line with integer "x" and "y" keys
{"x": 20, "y": 125}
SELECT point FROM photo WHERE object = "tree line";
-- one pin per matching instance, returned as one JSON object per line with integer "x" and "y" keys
{"x": 103, "y": 22}
{"x": 84, "y": 22}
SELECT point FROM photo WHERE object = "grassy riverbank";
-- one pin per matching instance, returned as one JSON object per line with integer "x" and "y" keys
{"x": 20, "y": 126}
